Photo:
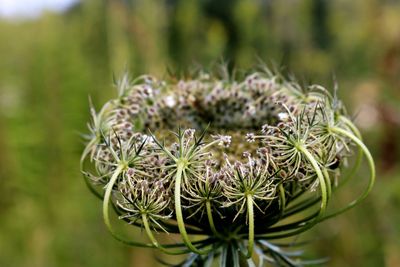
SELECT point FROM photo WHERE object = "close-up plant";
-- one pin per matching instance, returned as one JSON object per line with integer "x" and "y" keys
{"x": 234, "y": 165}
{"x": 199, "y": 133}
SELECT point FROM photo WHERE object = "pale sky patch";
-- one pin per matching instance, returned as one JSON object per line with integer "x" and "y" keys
{"x": 21, "y": 9}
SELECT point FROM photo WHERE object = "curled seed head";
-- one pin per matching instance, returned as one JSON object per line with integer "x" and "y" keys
{"x": 290, "y": 120}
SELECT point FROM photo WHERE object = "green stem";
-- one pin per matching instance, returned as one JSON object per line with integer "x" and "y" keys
{"x": 251, "y": 226}
{"x": 314, "y": 163}
{"x": 328, "y": 183}
{"x": 282, "y": 198}
{"x": 324, "y": 199}
{"x": 154, "y": 240}
{"x": 351, "y": 125}
{"x": 106, "y": 201}
{"x": 357, "y": 163}
{"x": 211, "y": 220}
{"x": 371, "y": 167}
{"x": 178, "y": 211}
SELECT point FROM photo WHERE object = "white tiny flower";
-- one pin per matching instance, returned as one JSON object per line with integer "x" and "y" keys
{"x": 182, "y": 100}
{"x": 207, "y": 99}
{"x": 147, "y": 91}
{"x": 246, "y": 154}
{"x": 189, "y": 133}
{"x": 144, "y": 137}
{"x": 250, "y": 137}
{"x": 283, "y": 116}
{"x": 148, "y": 139}
{"x": 170, "y": 101}
{"x": 191, "y": 99}
{"x": 224, "y": 140}
{"x": 264, "y": 128}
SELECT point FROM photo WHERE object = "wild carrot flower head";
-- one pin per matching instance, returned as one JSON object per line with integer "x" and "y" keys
{"x": 240, "y": 162}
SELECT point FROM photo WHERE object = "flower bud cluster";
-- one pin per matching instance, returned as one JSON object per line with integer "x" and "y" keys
{"x": 269, "y": 142}
{"x": 283, "y": 115}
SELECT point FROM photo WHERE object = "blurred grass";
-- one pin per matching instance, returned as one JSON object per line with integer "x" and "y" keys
{"x": 50, "y": 66}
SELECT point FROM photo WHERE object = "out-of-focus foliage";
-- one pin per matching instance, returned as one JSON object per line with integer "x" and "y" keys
{"x": 48, "y": 67}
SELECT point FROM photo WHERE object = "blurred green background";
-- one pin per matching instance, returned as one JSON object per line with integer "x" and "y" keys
{"x": 50, "y": 65}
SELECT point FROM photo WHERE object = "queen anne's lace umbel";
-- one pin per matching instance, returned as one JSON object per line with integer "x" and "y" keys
{"x": 248, "y": 162}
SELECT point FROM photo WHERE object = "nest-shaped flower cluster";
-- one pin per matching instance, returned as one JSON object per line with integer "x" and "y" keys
{"x": 239, "y": 162}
